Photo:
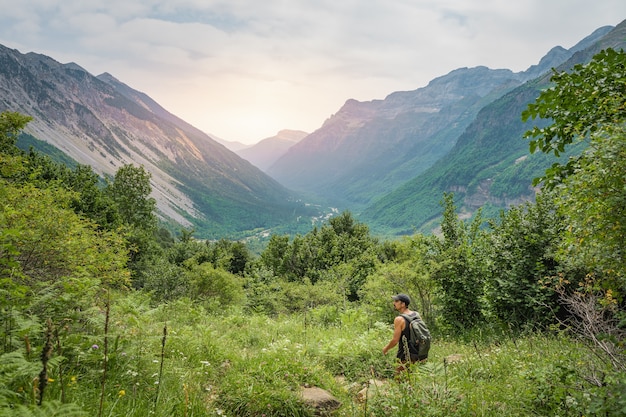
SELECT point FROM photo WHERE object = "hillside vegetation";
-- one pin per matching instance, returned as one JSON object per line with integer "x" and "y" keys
{"x": 489, "y": 162}
{"x": 106, "y": 313}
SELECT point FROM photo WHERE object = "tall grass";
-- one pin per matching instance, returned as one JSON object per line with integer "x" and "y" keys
{"x": 239, "y": 363}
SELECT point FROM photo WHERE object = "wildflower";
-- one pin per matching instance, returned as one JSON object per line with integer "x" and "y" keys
{"x": 121, "y": 393}
{"x": 95, "y": 347}
{"x": 50, "y": 380}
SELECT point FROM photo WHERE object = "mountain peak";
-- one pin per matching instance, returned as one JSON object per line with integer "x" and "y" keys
{"x": 104, "y": 123}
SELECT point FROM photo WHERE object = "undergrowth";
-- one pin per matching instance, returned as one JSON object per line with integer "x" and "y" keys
{"x": 239, "y": 363}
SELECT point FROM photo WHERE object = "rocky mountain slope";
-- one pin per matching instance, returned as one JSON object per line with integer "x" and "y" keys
{"x": 101, "y": 122}
{"x": 264, "y": 153}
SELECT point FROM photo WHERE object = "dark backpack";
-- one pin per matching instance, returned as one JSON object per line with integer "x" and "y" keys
{"x": 419, "y": 335}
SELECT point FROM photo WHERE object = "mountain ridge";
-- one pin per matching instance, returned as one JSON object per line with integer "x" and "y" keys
{"x": 500, "y": 177}
{"x": 101, "y": 122}
{"x": 264, "y": 153}
{"x": 389, "y": 160}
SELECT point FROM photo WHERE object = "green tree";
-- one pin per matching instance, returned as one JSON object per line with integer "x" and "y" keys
{"x": 319, "y": 254}
{"x": 231, "y": 256}
{"x": 590, "y": 104}
{"x": 522, "y": 247}
{"x": 410, "y": 273}
{"x": 272, "y": 257}
{"x": 593, "y": 202}
{"x": 578, "y": 104}
{"x": 52, "y": 262}
{"x": 459, "y": 270}
{"x": 215, "y": 286}
{"x": 93, "y": 201}
{"x": 11, "y": 124}
{"x": 130, "y": 191}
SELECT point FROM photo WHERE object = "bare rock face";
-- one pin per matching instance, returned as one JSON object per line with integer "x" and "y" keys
{"x": 321, "y": 400}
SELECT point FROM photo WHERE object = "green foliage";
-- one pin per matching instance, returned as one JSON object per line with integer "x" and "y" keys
{"x": 48, "y": 409}
{"x": 130, "y": 191}
{"x": 341, "y": 250}
{"x": 410, "y": 273}
{"x": 48, "y": 243}
{"x": 11, "y": 123}
{"x": 592, "y": 199}
{"x": 165, "y": 280}
{"x": 588, "y": 105}
{"x": 214, "y": 286}
{"x": 580, "y": 103}
{"x": 522, "y": 247}
{"x": 460, "y": 269}
{"x": 88, "y": 198}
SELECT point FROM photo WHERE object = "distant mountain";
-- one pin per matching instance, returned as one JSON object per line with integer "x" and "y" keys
{"x": 389, "y": 161}
{"x": 231, "y": 145}
{"x": 490, "y": 164}
{"x": 269, "y": 150}
{"x": 368, "y": 148}
{"x": 101, "y": 122}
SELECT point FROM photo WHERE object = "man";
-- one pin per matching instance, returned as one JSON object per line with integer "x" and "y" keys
{"x": 401, "y": 334}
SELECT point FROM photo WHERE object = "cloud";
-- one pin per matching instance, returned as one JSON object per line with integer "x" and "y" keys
{"x": 244, "y": 69}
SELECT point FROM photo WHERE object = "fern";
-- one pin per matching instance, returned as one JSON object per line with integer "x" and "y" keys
{"x": 48, "y": 409}
{"x": 14, "y": 365}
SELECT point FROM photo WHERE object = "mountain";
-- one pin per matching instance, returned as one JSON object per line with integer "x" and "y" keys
{"x": 101, "y": 122}
{"x": 368, "y": 148}
{"x": 490, "y": 164}
{"x": 232, "y": 145}
{"x": 389, "y": 161}
{"x": 267, "y": 151}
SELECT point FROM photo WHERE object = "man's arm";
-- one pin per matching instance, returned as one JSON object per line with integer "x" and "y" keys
{"x": 398, "y": 326}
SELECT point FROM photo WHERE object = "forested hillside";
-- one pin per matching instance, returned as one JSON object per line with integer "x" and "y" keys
{"x": 489, "y": 165}
{"x": 104, "y": 312}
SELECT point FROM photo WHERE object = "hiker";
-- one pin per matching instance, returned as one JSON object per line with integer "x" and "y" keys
{"x": 401, "y": 334}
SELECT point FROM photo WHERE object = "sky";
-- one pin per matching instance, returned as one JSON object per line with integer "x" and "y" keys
{"x": 241, "y": 70}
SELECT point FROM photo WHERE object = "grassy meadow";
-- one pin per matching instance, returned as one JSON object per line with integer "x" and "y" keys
{"x": 177, "y": 359}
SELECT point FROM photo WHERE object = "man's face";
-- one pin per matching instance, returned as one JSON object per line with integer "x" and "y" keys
{"x": 397, "y": 305}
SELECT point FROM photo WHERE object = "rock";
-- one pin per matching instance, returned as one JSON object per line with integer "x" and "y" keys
{"x": 457, "y": 357}
{"x": 321, "y": 400}
{"x": 372, "y": 388}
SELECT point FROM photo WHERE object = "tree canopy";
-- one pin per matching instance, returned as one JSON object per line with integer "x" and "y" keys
{"x": 580, "y": 102}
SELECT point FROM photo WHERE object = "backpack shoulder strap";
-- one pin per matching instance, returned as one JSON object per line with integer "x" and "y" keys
{"x": 410, "y": 318}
